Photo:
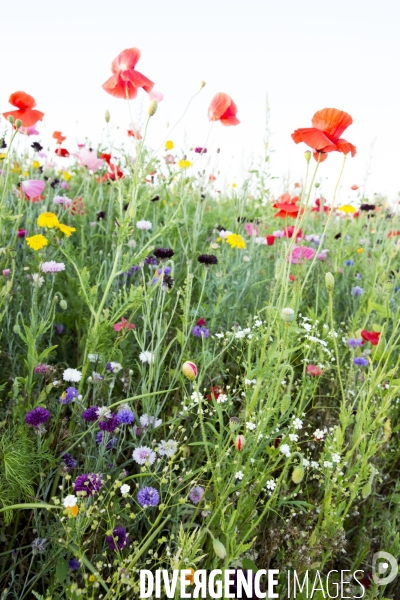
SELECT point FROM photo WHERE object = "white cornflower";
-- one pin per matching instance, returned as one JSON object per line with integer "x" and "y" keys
{"x": 125, "y": 489}
{"x": 297, "y": 423}
{"x": 239, "y": 475}
{"x": 250, "y": 426}
{"x": 52, "y": 267}
{"x": 37, "y": 279}
{"x": 94, "y": 358}
{"x": 144, "y": 225}
{"x": 103, "y": 412}
{"x": 132, "y": 244}
{"x": 72, "y": 375}
{"x": 63, "y": 200}
{"x": 114, "y": 367}
{"x": 293, "y": 437}
{"x": 270, "y": 485}
{"x": 336, "y": 457}
{"x": 147, "y": 421}
{"x": 96, "y": 376}
{"x": 168, "y": 448}
{"x": 146, "y": 357}
{"x": 285, "y": 449}
{"x": 70, "y": 501}
{"x": 143, "y": 455}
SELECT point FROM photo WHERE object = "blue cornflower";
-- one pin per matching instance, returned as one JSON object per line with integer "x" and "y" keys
{"x": 148, "y": 496}
{"x": 360, "y": 361}
{"x": 111, "y": 442}
{"x": 199, "y": 331}
{"x": 67, "y": 396}
{"x": 125, "y": 416}
{"x": 353, "y": 343}
{"x": 69, "y": 461}
{"x": 74, "y": 564}
{"x": 357, "y": 291}
{"x": 349, "y": 263}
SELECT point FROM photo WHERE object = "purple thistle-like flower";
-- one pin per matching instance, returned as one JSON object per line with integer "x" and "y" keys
{"x": 111, "y": 442}
{"x": 199, "y": 331}
{"x": 42, "y": 369}
{"x": 360, "y": 361}
{"x": 69, "y": 395}
{"x": 163, "y": 253}
{"x": 354, "y": 343}
{"x": 357, "y": 291}
{"x": 148, "y": 496}
{"x": 125, "y": 416}
{"x": 196, "y": 494}
{"x": 74, "y": 564}
{"x": 87, "y": 484}
{"x": 109, "y": 424}
{"x": 207, "y": 259}
{"x": 119, "y": 538}
{"x": 37, "y": 416}
{"x": 90, "y": 414}
{"x": 69, "y": 461}
{"x": 150, "y": 260}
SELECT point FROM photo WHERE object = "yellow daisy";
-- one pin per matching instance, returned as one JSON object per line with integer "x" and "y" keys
{"x": 235, "y": 241}
{"x": 169, "y": 144}
{"x": 184, "y": 164}
{"x": 36, "y": 242}
{"x": 348, "y": 209}
{"x": 48, "y": 219}
{"x": 66, "y": 229}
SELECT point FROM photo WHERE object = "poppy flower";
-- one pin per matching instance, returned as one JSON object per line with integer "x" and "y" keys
{"x": 354, "y": 187}
{"x": 77, "y": 207}
{"x": 287, "y": 207}
{"x": 25, "y": 104}
{"x": 57, "y": 135}
{"x": 371, "y": 336}
{"x": 201, "y": 323}
{"x": 317, "y": 207}
{"x": 328, "y": 125}
{"x": 314, "y": 370}
{"x": 216, "y": 391}
{"x": 222, "y": 108}
{"x": 63, "y": 152}
{"x": 212, "y": 177}
{"x": 123, "y": 324}
{"x": 33, "y": 187}
{"x": 289, "y": 231}
{"x": 301, "y": 253}
{"x": 125, "y": 81}
{"x": 270, "y": 240}
{"x": 88, "y": 158}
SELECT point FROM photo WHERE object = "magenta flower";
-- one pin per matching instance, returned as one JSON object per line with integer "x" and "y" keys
{"x": 88, "y": 158}
{"x": 33, "y": 187}
{"x": 301, "y": 253}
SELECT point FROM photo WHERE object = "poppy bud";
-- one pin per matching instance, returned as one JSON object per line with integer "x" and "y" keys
{"x": 298, "y": 474}
{"x": 307, "y": 154}
{"x": 202, "y": 84}
{"x": 10, "y": 119}
{"x": 56, "y": 299}
{"x": 234, "y": 423}
{"x": 219, "y": 548}
{"x": 240, "y": 442}
{"x": 153, "y": 108}
{"x": 64, "y": 304}
{"x": 317, "y": 185}
{"x": 189, "y": 369}
{"x": 329, "y": 282}
{"x": 18, "y": 123}
{"x": 107, "y": 116}
{"x": 287, "y": 314}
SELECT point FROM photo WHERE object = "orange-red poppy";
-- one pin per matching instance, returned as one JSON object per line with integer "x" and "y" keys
{"x": 57, "y": 135}
{"x": 287, "y": 207}
{"x": 25, "y": 104}
{"x": 62, "y": 152}
{"x": 317, "y": 207}
{"x": 354, "y": 187}
{"x": 222, "y": 108}
{"x": 328, "y": 125}
{"x": 125, "y": 81}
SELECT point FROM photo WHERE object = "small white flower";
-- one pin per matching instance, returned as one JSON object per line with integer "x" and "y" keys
{"x": 72, "y": 375}
{"x": 37, "y": 279}
{"x": 168, "y": 448}
{"x": 271, "y": 485}
{"x": 132, "y": 244}
{"x": 319, "y": 434}
{"x": 125, "y": 489}
{"x": 114, "y": 367}
{"x": 293, "y": 437}
{"x": 219, "y": 335}
{"x": 328, "y": 464}
{"x": 146, "y": 357}
{"x": 94, "y": 358}
{"x": 70, "y": 501}
{"x": 144, "y": 225}
{"x": 250, "y": 426}
{"x": 285, "y": 449}
{"x": 306, "y": 462}
{"x": 222, "y": 398}
{"x": 297, "y": 423}
{"x": 196, "y": 397}
{"x": 336, "y": 457}
{"x": 239, "y": 475}
{"x": 307, "y": 326}
{"x": 314, "y": 464}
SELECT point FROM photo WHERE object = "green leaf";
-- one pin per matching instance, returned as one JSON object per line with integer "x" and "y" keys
{"x": 61, "y": 569}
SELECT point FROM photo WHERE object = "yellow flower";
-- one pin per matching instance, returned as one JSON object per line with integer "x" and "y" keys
{"x": 48, "y": 219}
{"x": 348, "y": 209}
{"x": 72, "y": 511}
{"x": 3, "y": 155}
{"x": 16, "y": 169}
{"x": 235, "y": 241}
{"x": 190, "y": 577}
{"x": 66, "y": 176}
{"x": 233, "y": 185}
{"x": 360, "y": 250}
{"x": 36, "y": 242}
{"x": 26, "y": 173}
{"x": 66, "y": 229}
{"x": 184, "y": 164}
{"x": 92, "y": 578}
{"x": 169, "y": 144}
{"x": 36, "y": 164}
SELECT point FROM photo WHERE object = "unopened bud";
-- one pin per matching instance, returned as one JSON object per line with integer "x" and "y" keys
{"x": 307, "y": 154}
{"x": 153, "y": 107}
{"x": 287, "y": 314}
{"x": 64, "y": 304}
{"x": 366, "y": 490}
{"x": 298, "y": 474}
{"x": 107, "y": 116}
{"x": 202, "y": 84}
{"x": 329, "y": 281}
{"x": 219, "y": 548}
{"x": 18, "y": 123}
{"x": 240, "y": 442}
{"x": 185, "y": 451}
{"x": 56, "y": 298}
{"x": 317, "y": 185}
{"x": 10, "y": 119}
{"x": 189, "y": 369}
{"x": 234, "y": 423}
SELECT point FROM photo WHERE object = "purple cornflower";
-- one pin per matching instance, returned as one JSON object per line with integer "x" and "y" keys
{"x": 353, "y": 343}
{"x": 163, "y": 253}
{"x": 150, "y": 260}
{"x": 207, "y": 259}
{"x": 38, "y": 546}
{"x": 202, "y": 332}
{"x": 74, "y": 564}
{"x": 111, "y": 442}
{"x": 90, "y": 414}
{"x": 59, "y": 328}
{"x": 357, "y": 291}
{"x": 119, "y": 538}
{"x": 360, "y": 361}
{"x": 67, "y": 396}
{"x": 37, "y": 416}
{"x": 196, "y": 494}
{"x": 125, "y": 416}
{"x": 148, "y": 496}
{"x": 69, "y": 461}
{"x": 42, "y": 369}
{"x": 109, "y": 424}
{"x": 87, "y": 484}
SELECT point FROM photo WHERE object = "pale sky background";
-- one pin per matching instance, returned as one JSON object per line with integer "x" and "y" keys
{"x": 307, "y": 55}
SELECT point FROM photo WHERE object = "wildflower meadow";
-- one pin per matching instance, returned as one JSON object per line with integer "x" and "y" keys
{"x": 193, "y": 376}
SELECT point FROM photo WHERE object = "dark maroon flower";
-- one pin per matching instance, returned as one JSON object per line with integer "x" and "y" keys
{"x": 119, "y": 538}
{"x": 163, "y": 253}
{"x": 87, "y": 484}
{"x": 207, "y": 259}
{"x": 37, "y": 416}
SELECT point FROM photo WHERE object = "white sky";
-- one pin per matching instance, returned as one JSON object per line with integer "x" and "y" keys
{"x": 306, "y": 54}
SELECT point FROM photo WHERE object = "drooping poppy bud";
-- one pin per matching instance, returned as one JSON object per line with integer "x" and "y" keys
{"x": 240, "y": 442}
{"x": 329, "y": 282}
{"x": 189, "y": 369}
{"x": 219, "y": 548}
{"x": 298, "y": 474}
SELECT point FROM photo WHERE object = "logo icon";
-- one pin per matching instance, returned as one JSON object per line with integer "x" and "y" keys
{"x": 384, "y": 564}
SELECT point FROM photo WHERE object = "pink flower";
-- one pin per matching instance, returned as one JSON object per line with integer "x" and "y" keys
{"x": 323, "y": 255}
{"x": 156, "y": 96}
{"x": 33, "y": 187}
{"x": 314, "y": 370}
{"x": 300, "y": 254}
{"x": 29, "y": 130}
{"x": 279, "y": 233}
{"x": 251, "y": 229}
{"x": 123, "y": 324}
{"x": 6, "y": 272}
{"x": 88, "y": 158}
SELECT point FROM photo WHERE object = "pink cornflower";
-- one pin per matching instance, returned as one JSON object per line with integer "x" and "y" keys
{"x": 52, "y": 267}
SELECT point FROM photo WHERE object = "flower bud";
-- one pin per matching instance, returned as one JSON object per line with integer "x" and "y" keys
{"x": 107, "y": 116}
{"x": 189, "y": 369}
{"x": 10, "y": 119}
{"x": 64, "y": 304}
{"x": 287, "y": 314}
{"x": 317, "y": 185}
{"x": 219, "y": 548}
{"x": 298, "y": 474}
{"x": 234, "y": 423}
{"x": 185, "y": 451}
{"x": 240, "y": 442}
{"x": 329, "y": 281}
{"x": 307, "y": 154}
{"x": 202, "y": 84}
{"x": 18, "y": 123}
{"x": 153, "y": 107}
{"x": 56, "y": 298}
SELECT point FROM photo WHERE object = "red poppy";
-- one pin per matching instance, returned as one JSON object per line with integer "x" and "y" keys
{"x": 393, "y": 234}
{"x": 289, "y": 231}
{"x": 317, "y": 207}
{"x": 292, "y": 277}
{"x": 106, "y": 157}
{"x": 297, "y": 185}
{"x": 314, "y": 370}
{"x": 270, "y": 240}
{"x": 320, "y": 156}
{"x": 216, "y": 391}
{"x": 287, "y": 207}
{"x": 222, "y": 108}
{"x": 354, "y": 187}
{"x": 324, "y": 135}
{"x": 125, "y": 81}
{"x": 132, "y": 133}
{"x": 123, "y": 324}
{"x": 57, "y": 135}
{"x": 371, "y": 336}
{"x": 62, "y": 152}
{"x": 212, "y": 178}
{"x": 25, "y": 103}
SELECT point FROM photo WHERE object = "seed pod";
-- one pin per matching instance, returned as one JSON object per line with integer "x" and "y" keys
{"x": 298, "y": 474}
{"x": 153, "y": 108}
{"x": 18, "y": 123}
{"x": 307, "y": 154}
{"x": 107, "y": 116}
{"x": 287, "y": 314}
{"x": 234, "y": 423}
{"x": 64, "y": 304}
{"x": 219, "y": 548}
{"x": 366, "y": 490}
{"x": 10, "y": 119}
{"x": 329, "y": 282}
